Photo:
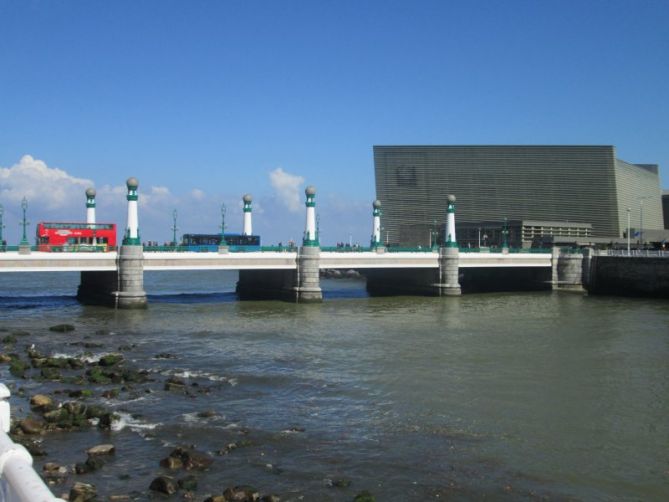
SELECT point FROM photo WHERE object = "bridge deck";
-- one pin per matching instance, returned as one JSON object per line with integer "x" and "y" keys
{"x": 275, "y": 260}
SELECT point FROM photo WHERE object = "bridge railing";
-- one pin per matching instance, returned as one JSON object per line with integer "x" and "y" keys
{"x": 508, "y": 250}
{"x": 18, "y": 480}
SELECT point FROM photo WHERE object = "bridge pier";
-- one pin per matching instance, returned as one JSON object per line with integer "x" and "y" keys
{"x": 567, "y": 270}
{"x": 308, "y": 283}
{"x": 131, "y": 294}
{"x": 449, "y": 261}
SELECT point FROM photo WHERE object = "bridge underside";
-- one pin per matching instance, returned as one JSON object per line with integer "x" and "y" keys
{"x": 98, "y": 288}
{"x": 425, "y": 282}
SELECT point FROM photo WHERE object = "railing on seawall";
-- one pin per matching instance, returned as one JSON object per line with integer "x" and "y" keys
{"x": 638, "y": 253}
{"x": 18, "y": 480}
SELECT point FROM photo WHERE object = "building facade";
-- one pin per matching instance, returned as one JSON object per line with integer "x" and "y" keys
{"x": 559, "y": 184}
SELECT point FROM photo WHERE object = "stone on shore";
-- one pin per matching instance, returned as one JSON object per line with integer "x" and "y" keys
{"x": 83, "y": 492}
{"x": 191, "y": 459}
{"x": 31, "y": 426}
{"x": 101, "y": 449}
{"x": 241, "y": 494}
{"x": 41, "y": 403}
{"x": 110, "y": 359}
{"x": 62, "y": 328}
{"x": 163, "y": 484}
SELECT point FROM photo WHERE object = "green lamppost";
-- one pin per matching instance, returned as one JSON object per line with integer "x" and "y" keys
{"x": 505, "y": 234}
{"x": 223, "y": 242}
{"x": 2, "y": 226}
{"x": 24, "y": 245}
{"x": 174, "y": 228}
{"x": 24, "y": 223}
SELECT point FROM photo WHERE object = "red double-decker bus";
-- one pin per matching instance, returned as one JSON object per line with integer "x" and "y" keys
{"x": 56, "y": 236}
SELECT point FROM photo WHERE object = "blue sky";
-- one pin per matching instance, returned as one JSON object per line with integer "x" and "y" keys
{"x": 204, "y": 101}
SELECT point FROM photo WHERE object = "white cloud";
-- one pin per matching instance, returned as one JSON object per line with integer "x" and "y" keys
{"x": 287, "y": 188}
{"x": 197, "y": 194}
{"x": 47, "y": 187}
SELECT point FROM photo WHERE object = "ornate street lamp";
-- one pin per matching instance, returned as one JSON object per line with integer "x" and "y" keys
{"x": 174, "y": 228}
{"x": 2, "y": 226}
{"x": 223, "y": 243}
{"x": 24, "y": 223}
{"x": 505, "y": 234}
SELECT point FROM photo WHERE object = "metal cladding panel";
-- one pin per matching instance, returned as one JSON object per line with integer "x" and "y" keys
{"x": 556, "y": 183}
{"x": 638, "y": 188}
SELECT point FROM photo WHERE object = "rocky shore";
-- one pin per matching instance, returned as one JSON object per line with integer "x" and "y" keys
{"x": 55, "y": 396}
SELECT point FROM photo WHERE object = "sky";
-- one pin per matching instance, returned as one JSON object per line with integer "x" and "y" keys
{"x": 204, "y": 101}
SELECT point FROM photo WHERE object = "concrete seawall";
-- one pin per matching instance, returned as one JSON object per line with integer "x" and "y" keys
{"x": 629, "y": 276}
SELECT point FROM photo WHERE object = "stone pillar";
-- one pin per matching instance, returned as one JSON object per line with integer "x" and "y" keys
{"x": 131, "y": 294}
{"x": 587, "y": 277}
{"x": 555, "y": 256}
{"x": 248, "y": 210}
{"x": 569, "y": 272}
{"x": 449, "y": 263}
{"x": 308, "y": 286}
{"x": 376, "y": 228}
{"x": 449, "y": 257}
{"x": 307, "y": 276}
{"x": 451, "y": 241}
{"x": 90, "y": 210}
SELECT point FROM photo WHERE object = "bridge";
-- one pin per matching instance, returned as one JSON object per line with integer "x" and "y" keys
{"x": 117, "y": 277}
{"x": 262, "y": 260}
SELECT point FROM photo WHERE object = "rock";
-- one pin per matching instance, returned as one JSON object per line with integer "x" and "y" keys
{"x": 110, "y": 360}
{"x": 18, "y": 368}
{"x": 174, "y": 384}
{"x": 241, "y": 494}
{"x": 79, "y": 393}
{"x": 189, "y": 483}
{"x": 119, "y": 498}
{"x": 41, "y": 403}
{"x": 101, "y": 449}
{"x": 82, "y": 492}
{"x": 163, "y": 484}
{"x": 165, "y": 355}
{"x": 9, "y": 339}
{"x": 172, "y": 463}
{"x": 340, "y": 483}
{"x": 31, "y": 426}
{"x": 110, "y": 394}
{"x": 33, "y": 446}
{"x": 206, "y": 414}
{"x": 270, "y": 498}
{"x": 216, "y": 498}
{"x": 50, "y": 373}
{"x": 4, "y": 358}
{"x": 364, "y": 496}
{"x": 191, "y": 459}
{"x": 19, "y": 332}
{"x": 62, "y": 328}
{"x": 106, "y": 420}
{"x": 96, "y": 375}
{"x": 51, "y": 470}
{"x": 91, "y": 464}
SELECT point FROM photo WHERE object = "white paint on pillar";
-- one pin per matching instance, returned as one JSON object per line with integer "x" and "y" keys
{"x": 132, "y": 233}
{"x": 376, "y": 227}
{"x": 451, "y": 241}
{"x": 310, "y": 237}
{"x": 248, "y": 211}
